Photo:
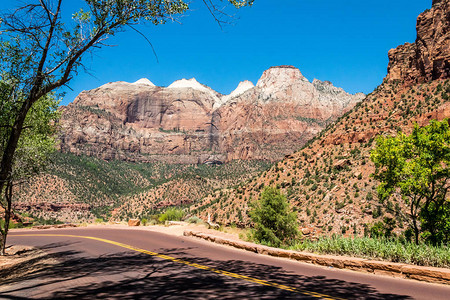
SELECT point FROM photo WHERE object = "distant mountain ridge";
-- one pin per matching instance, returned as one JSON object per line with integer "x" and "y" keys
{"x": 188, "y": 122}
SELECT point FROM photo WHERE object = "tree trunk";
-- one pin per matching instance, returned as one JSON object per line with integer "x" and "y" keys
{"x": 3, "y": 245}
{"x": 6, "y": 166}
{"x": 416, "y": 232}
{"x": 8, "y": 155}
{"x": 4, "y": 232}
{"x": 414, "y": 220}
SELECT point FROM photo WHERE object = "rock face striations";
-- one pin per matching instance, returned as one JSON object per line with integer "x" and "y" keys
{"x": 188, "y": 122}
{"x": 428, "y": 58}
{"x": 279, "y": 115}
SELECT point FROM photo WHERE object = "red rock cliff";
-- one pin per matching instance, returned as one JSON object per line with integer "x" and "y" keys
{"x": 428, "y": 57}
{"x": 188, "y": 122}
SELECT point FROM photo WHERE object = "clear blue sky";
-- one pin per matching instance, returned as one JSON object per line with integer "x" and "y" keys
{"x": 345, "y": 42}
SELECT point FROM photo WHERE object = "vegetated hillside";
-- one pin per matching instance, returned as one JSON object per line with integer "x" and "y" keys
{"x": 328, "y": 183}
{"x": 191, "y": 184}
{"x": 81, "y": 188}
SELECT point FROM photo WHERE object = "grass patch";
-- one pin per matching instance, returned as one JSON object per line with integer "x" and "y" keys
{"x": 381, "y": 249}
{"x": 194, "y": 220}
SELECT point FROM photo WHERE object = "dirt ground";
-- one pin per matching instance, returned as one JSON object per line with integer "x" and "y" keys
{"x": 21, "y": 260}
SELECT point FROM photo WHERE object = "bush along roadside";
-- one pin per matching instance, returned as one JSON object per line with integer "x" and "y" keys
{"x": 395, "y": 269}
{"x": 379, "y": 249}
{"x": 384, "y": 249}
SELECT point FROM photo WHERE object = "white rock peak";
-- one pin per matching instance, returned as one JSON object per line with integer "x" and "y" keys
{"x": 278, "y": 77}
{"x": 195, "y": 85}
{"x": 115, "y": 84}
{"x": 189, "y": 83}
{"x": 242, "y": 88}
{"x": 144, "y": 81}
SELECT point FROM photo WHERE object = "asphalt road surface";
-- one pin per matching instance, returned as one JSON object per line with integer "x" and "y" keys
{"x": 136, "y": 264}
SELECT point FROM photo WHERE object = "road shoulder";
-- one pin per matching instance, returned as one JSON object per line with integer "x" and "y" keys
{"x": 20, "y": 261}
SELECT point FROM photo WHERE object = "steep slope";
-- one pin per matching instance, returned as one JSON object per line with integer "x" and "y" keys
{"x": 279, "y": 115}
{"x": 328, "y": 183}
{"x": 188, "y": 122}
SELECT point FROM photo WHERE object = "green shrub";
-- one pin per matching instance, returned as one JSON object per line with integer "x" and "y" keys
{"x": 377, "y": 230}
{"x": 12, "y": 225}
{"x": 154, "y": 222}
{"x": 172, "y": 214}
{"x": 275, "y": 224}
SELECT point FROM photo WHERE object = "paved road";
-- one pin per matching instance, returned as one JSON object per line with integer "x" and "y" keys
{"x": 135, "y": 264}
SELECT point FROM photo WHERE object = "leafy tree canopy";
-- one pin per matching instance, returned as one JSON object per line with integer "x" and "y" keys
{"x": 418, "y": 168}
{"x": 36, "y": 143}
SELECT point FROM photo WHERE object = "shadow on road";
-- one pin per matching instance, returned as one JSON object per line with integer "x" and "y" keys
{"x": 128, "y": 275}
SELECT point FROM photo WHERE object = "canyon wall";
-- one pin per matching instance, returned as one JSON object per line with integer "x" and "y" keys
{"x": 188, "y": 122}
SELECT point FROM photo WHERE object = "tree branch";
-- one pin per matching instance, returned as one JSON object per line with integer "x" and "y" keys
{"x": 49, "y": 13}
{"x": 47, "y": 45}
{"x": 148, "y": 41}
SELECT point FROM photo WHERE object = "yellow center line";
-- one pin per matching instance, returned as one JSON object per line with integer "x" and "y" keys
{"x": 195, "y": 265}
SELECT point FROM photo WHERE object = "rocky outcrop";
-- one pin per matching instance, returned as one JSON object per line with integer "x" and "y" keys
{"x": 51, "y": 207}
{"x": 124, "y": 121}
{"x": 134, "y": 222}
{"x": 279, "y": 115}
{"x": 428, "y": 58}
{"x": 188, "y": 122}
{"x": 242, "y": 88}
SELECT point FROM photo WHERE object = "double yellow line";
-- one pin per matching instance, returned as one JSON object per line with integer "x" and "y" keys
{"x": 198, "y": 266}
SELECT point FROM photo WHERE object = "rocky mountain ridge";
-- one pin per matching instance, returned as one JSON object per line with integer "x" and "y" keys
{"x": 329, "y": 183}
{"x": 188, "y": 122}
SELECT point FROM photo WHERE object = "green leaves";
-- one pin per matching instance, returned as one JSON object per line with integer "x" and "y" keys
{"x": 38, "y": 138}
{"x": 275, "y": 225}
{"x": 241, "y": 3}
{"x": 110, "y": 14}
{"x": 418, "y": 166}
{"x": 82, "y": 16}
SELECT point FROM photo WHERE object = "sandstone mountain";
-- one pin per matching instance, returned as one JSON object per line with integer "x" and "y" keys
{"x": 188, "y": 122}
{"x": 328, "y": 182}
{"x": 428, "y": 58}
